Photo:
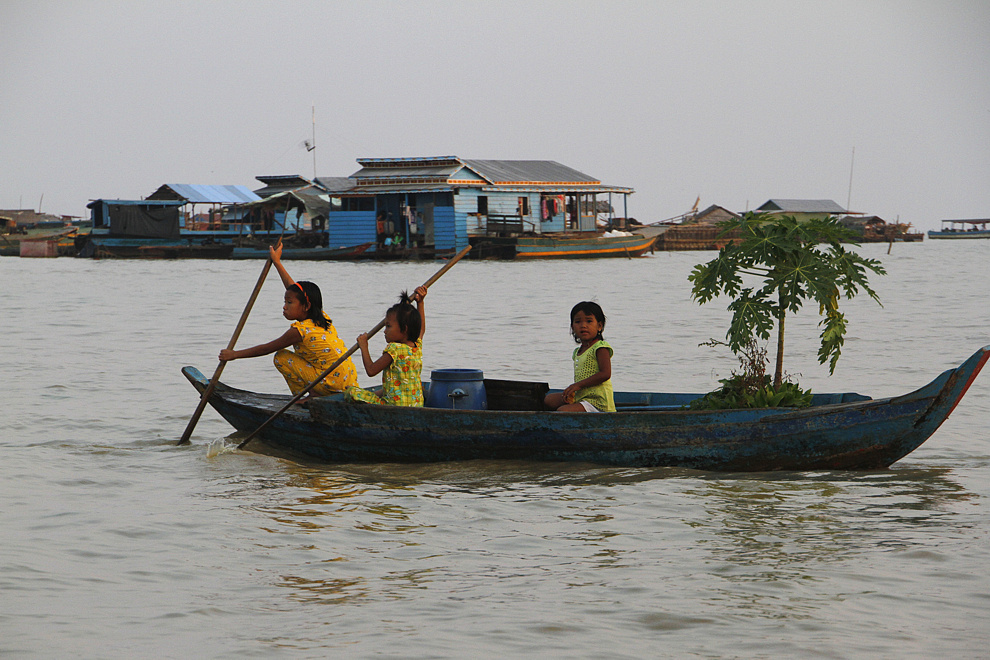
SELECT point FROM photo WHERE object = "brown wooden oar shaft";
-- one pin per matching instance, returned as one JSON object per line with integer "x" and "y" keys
{"x": 350, "y": 351}
{"x": 184, "y": 440}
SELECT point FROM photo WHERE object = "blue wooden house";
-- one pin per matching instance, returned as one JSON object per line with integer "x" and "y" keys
{"x": 441, "y": 203}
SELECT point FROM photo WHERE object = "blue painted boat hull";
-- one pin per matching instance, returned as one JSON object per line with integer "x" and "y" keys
{"x": 850, "y": 432}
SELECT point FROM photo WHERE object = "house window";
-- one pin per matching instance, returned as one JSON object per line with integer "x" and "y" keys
{"x": 523, "y": 207}
{"x": 483, "y": 205}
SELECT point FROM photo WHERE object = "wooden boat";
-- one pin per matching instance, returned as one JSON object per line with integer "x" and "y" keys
{"x": 839, "y": 431}
{"x": 963, "y": 229}
{"x": 103, "y": 247}
{"x": 579, "y": 247}
{"x": 561, "y": 246}
{"x": 308, "y": 254}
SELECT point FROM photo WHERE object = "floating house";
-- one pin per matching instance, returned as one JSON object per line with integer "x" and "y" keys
{"x": 213, "y": 197}
{"x": 136, "y": 218}
{"x": 699, "y": 230}
{"x": 440, "y": 203}
{"x": 804, "y": 209}
{"x": 143, "y": 228}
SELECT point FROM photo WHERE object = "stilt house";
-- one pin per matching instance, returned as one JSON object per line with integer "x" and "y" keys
{"x": 440, "y": 202}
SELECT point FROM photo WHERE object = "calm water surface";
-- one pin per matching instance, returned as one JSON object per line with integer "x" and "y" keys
{"x": 117, "y": 544}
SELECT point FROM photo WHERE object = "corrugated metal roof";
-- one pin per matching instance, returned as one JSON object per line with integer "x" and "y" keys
{"x": 400, "y": 161}
{"x": 403, "y": 188}
{"x": 551, "y": 189}
{"x": 528, "y": 171}
{"x": 280, "y": 183}
{"x": 335, "y": 184}
{"x": 495, "y": 171}
{"x": 202, "y": 194}
{"x": 399, "y": 172}
{"x": 135, "y": 202}
{"x": 802, "y": 206}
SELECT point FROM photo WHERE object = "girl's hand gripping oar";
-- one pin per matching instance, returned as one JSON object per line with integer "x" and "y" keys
{"x": 184, "y": 440}
{"x": 351, "y": 350}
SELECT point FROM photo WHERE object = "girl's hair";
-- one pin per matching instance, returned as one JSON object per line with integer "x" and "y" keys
{"x": 591, "y": 309}
{"x": 309, "y": 293}
{"x": 406, "y": 316}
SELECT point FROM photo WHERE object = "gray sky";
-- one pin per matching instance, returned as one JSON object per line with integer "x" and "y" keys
{"x": 737, "y": 102}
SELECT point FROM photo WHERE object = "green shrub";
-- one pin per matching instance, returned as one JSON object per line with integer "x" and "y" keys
{"x": 752, "y": 388}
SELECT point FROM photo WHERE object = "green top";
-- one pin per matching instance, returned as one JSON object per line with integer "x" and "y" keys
{"x": 585, "y": 365}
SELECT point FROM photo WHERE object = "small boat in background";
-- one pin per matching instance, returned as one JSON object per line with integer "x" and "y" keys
{"x": 106, "y": 247}
{"x": 963, "y": 229}
{"x": 307, "y": 254}
{"x": 562, "y": 246}
{"x": 838, "y": 431}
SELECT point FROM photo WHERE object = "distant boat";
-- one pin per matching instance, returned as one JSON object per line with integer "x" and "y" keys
{"x": 839, "y": 431}
{"x": 563, "y": 246}
{"x": 963, "y": 229}
{"x": 103, "y": 247}
{"x": 308, "y": 254}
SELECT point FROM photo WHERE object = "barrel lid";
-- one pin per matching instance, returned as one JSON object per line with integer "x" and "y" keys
{"x": 457, "y": 374}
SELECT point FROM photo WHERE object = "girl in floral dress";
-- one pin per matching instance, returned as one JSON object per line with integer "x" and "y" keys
{"x": 312, "y": 336}
{"x": 401, "y": 363}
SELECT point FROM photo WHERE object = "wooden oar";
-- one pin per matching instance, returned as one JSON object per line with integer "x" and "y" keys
{"x": 340, "y": 360}
{"x": 184, "y": 440}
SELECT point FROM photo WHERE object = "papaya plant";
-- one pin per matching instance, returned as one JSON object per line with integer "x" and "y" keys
{"x": 792, "y": 262}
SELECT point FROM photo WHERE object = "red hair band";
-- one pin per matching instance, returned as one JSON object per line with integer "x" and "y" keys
{"x": 304, "y": 293}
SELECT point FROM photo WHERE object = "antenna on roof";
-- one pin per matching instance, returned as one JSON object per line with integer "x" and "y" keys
{"x": 312, "y": 146}
{"x": 851, "y": 162}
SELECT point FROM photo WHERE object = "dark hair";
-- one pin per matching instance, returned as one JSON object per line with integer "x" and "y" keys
{"x": 591, "y": 309}
{"x": 309, "y": 293}
{"x": 406, "y": 316}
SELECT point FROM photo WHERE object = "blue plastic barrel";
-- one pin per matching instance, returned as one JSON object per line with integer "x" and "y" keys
{"x": 460, "y": 389}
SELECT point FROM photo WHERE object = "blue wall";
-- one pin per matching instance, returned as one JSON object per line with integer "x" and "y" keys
{"x": 449, "y": 229}
{"x": 349, "y": 228}
{"x": 504, "y": 203}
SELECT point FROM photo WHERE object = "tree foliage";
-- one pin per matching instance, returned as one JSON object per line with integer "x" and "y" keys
{"x": 750, "y": 387}
{"x": 793, "y": 262}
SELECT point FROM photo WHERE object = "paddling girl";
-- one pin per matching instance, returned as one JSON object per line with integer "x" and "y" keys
{"x": 591, "y": 390}
{"x": 312, "y": 336}
{"x": 401, "y": 363}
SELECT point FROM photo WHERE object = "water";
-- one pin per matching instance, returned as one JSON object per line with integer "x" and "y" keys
{"x": 117, "y": 544}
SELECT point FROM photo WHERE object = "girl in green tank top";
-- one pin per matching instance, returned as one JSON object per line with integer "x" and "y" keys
{"x": 591, "y": 390}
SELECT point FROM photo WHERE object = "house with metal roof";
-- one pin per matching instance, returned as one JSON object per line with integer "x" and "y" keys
{"x": 136, "y": 218}
{"x": 298, "y": 209}
{"x": 275, "y": 184}
{"x": 442, "y": 202}
{"x": 804, "y": 209}
{"x": 214, "y": 197}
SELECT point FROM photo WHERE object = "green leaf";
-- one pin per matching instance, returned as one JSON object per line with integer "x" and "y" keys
{"x": 796, "y": 262}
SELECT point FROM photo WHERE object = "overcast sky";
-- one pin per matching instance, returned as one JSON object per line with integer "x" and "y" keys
{"x": 735, "y": 102}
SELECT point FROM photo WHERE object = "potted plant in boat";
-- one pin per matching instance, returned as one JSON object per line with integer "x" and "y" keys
{"x": 777, "y": 265}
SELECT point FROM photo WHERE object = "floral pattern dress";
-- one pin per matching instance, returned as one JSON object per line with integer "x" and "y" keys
{"x": 318, "y": 349}
{"x": 402, "y": 382}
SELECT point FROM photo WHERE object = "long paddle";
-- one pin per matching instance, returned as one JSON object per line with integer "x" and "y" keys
{"x": 326, "y": 372}
{"x": 184, "y": 440}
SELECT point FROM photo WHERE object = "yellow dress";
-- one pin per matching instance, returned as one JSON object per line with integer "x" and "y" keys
{"x": 318, "y": 349}
{"x": 402, "y": 381}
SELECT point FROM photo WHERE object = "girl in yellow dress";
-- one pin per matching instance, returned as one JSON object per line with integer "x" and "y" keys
{"x": 401, "y": 363}
{"x": 312, "y": 336}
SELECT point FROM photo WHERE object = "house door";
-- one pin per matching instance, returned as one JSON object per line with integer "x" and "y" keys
{"x": 427, "y": 211}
